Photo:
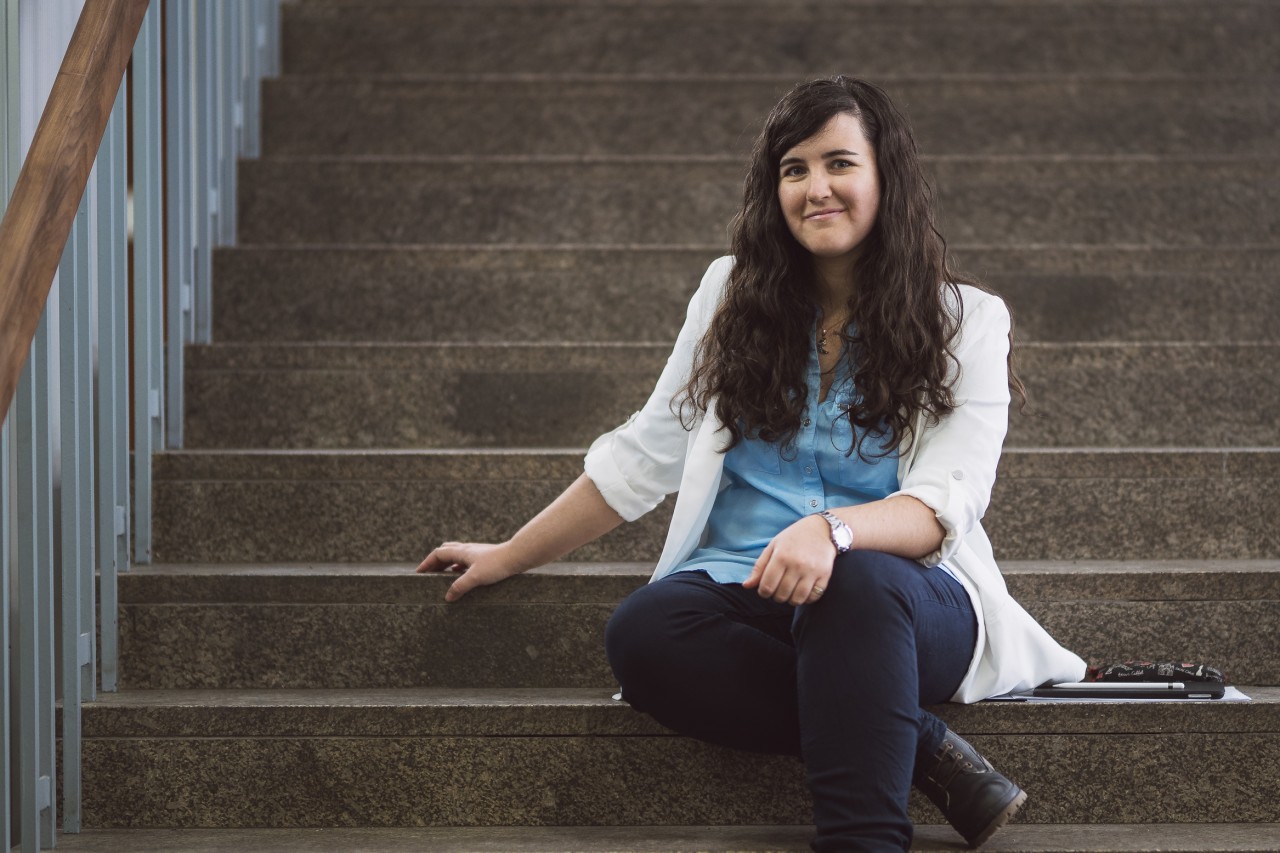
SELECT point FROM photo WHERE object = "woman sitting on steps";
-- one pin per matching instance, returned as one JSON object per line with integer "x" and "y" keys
{"x": 832, "y": 417}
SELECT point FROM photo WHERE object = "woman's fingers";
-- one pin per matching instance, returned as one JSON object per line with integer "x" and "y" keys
{"x": 787, "y": 587}
{"x": 460, "y": 587}
{"x": 451, "y": 556}
{"x": 758, "y": 569}
{"x": 477, "y": 565}
{"x": 438, "y": 560}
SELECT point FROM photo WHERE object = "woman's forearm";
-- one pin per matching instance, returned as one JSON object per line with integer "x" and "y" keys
{"x": 578, "y": 516}
{"x": 900, "y": 525}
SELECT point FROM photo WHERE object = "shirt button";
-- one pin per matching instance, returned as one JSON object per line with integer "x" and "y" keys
{"x": 957, "y": 475}
{"x": 807, "y": 421}
{"x": 808, "y": 469}
{"x": 813, "y": 503}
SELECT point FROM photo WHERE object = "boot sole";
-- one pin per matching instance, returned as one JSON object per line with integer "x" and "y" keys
{"x": 1001, "y": 818}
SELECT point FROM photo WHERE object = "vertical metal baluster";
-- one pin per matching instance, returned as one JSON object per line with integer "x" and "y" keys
{"x": 254, "y": 36}
{"x": 73, "y": 280}
{"x": 86, "y": 601}
{"x": 178, "y": 292}
{"x": 205, "y": 156}
{"x": 275, "y": 45}
{"x": 226, "y": 127}
{"x": 112, "y": 385}
{"x": 33, "y": 638}
{"x": 10, "y": 163}
{"x": 236, "y": 49}
{"x": 148, "y": 274}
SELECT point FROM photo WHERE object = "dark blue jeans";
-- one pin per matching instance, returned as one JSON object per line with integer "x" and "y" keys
{"x": 839, "y": 683}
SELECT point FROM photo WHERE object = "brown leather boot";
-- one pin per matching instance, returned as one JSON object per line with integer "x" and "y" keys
{"x": 972, "y": 796}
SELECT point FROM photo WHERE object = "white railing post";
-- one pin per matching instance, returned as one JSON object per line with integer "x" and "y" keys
{"x": 10, "y": 162}
{"x": 75, "y": 499}
{"x": 148, "y": 275}
{"x": 33, "y": 563}
{"x": 205, "y": 153}
{"x": 177, "y": 123}
{"x": 112, "y": 383}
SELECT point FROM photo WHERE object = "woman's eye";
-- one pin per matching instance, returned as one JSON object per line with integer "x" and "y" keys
{"x": 792, "y": 171}
{"x": 841, "y": 164}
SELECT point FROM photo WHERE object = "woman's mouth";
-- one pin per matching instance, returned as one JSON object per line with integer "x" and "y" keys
{"x": 820, "y": 215}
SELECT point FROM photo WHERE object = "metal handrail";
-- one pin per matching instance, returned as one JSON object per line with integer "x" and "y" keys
{"x": 67, "y": 494}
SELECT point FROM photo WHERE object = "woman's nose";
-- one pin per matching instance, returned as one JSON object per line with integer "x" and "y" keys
{"x": 818, "y": 188}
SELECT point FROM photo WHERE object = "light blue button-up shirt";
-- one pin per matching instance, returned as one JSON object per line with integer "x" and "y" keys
{"x": 770, "y": 487}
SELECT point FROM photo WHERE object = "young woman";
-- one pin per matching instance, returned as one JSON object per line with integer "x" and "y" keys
{"x": 832, "y": 417}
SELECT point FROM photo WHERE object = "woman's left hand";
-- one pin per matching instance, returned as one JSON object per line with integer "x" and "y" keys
{"x": 795, "y": 567}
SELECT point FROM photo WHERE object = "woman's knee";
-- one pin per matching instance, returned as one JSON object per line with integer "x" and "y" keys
{"x": 870, "y": 580}
{"x": 638, "y": 633}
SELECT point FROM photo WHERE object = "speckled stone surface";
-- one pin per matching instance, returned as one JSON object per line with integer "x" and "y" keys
{"x": 1080, "y": 115}
{"x": 392, "y": 781}
{"x": 1005, "y": 201}
{"x": 421, "y": 294}
{"x": 1025, "y": 838}
{"x": 364, "y": 645}
{"x": 432, "y": 294}
{"x": 268, "y": 628}
{"x": 607, "y": 583}
{"x": 581, "y": 712}
{"x": 246, "y": 507}
{"x": 451, "y": 396}
{"x": 1100, "y": 395}
{"x": 780, "y": 38}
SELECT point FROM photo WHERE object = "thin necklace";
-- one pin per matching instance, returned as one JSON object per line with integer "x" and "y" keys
{"x": 822, "y": 339}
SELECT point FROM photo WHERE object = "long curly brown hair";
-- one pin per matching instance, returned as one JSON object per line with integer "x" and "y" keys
{"x": 754, "y": 354}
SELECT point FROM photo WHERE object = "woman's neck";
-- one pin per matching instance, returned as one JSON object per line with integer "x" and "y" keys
{"x": 833, "y": 280}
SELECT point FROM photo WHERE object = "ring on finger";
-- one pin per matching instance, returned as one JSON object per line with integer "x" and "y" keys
{"x": 817, "y": 590}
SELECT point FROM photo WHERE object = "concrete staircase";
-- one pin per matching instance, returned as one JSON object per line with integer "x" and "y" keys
{"x": 465, "y": 253}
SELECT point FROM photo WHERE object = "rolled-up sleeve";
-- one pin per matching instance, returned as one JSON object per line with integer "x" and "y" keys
{"x": 954, "y": 465}
{"x": 641, "y": 462}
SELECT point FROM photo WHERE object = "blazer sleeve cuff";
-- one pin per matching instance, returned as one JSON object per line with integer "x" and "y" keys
{"x": 949, "y": 504}
{"x": 604, "y": 472}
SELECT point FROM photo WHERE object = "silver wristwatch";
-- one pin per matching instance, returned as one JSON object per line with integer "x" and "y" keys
{"x": 841, "y": 533}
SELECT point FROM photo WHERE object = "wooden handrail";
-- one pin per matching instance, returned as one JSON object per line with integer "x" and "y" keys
{"x": 54, "y": 175}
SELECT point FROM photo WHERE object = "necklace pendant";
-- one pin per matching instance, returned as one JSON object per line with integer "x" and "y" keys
{"x": 822, "y": 341}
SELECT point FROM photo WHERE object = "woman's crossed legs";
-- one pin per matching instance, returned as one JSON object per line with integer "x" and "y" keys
{"x": 839, "y": 682}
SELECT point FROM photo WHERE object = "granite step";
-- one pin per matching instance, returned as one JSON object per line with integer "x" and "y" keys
{"x": 393, "y": 506}
{"x": 1016, "y": 838}
{"x": 994, "y": 115}
{"x": 871, "y": 38}
{"x": 507, "y": 294}
{"x": 577, "y": 757}
{"x": 537, "y": 395}
{"x": 654, "y": 200}
{"x": 382, "y": 626}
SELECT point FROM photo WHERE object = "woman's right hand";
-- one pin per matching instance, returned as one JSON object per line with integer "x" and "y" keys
{"x": 480, "y": 565}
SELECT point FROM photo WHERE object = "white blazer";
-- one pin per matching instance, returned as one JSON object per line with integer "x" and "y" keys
{"x": 950, "y": 466}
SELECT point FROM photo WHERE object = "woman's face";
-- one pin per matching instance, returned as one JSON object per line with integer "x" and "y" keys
{"x": 829, "y": 190}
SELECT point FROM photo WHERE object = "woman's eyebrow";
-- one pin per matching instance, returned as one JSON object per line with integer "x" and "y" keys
{"x": 839, "y": 152}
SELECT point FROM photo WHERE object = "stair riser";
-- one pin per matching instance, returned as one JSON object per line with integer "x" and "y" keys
{"x": 394, "y": 508}
{"x": 290, "y": 295}
{"x": 1082, "y": 396}
{"x": 631, "y": 780}
{"x": 983, "y": 201}
{"x": 312, "y": 116}
{"x": 562, "y": 645}
{"x": 875, "y": 39}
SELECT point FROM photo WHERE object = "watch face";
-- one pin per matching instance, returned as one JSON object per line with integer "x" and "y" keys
{"x": 843, "y": 537}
